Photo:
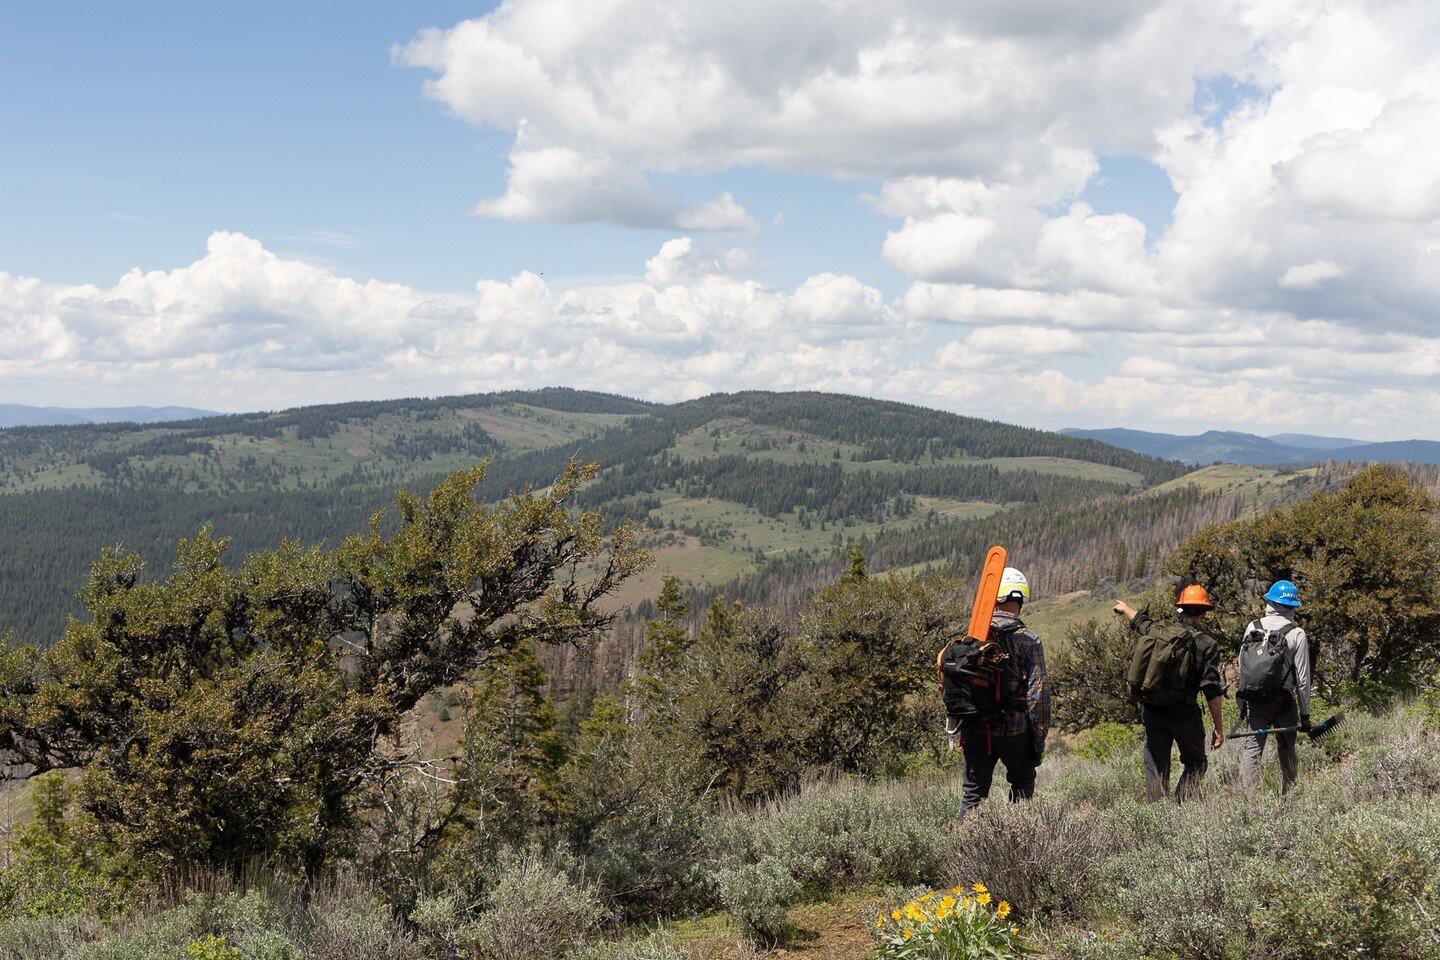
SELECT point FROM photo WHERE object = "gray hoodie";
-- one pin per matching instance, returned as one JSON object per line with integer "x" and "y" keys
{"x": 1299, "y": 646}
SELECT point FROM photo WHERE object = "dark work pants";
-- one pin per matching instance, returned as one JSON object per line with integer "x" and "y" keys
{"x": 983, "y": 751}
{"x": 1162, "y": 729}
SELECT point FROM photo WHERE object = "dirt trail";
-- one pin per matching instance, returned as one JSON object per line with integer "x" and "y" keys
{"x": 826, "y": 931}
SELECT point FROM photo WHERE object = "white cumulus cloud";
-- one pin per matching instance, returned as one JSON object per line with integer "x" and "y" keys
{"x": 242, "y": 328}
{"x": 597, "y": 95}
{"x": 1307, "y": 276}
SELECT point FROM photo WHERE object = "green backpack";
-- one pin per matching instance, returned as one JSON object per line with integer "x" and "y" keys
{"x": 1162, "y": 665}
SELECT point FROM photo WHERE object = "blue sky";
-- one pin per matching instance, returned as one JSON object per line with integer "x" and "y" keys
{"x": 1147, "y": 213}
{"x": 144, "y": 127}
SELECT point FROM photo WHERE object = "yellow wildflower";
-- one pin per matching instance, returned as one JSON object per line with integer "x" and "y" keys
{"x": 909, "y": 933}
{"x": 1015, "y": 931}
{"x": 947, "y": 903}
{"x": 984, "y": 898}
{"x": 894, "y": 914}
{"x": 925, "y": 898}
{"x": 980, "y": 888}
{"x": 1003, "y": 910}
{"x": 967, "y": 903}
{"x": 880, "y": 920}
{"x": 914, "y": 913}
{"x": 958, "y": 890}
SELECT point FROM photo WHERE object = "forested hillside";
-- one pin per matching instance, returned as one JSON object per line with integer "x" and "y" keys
{"x": 722, "y": 487}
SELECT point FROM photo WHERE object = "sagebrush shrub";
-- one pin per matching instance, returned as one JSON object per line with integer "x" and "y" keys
{"x": 40, "y": 938}
{"x": 758, "y": 896}
{"x": 834, "y": 833}
{"x": 1368, "y": 890}
{"x": 659, "y": 944}
{"x": 272, "y": 923}
{"x": 1039, "y": 855}
{"x": 345, "y": 919}
{"x": 1187, "y": 886}
{"x": 1403, "y": 764}
{"x": 1095, "y": 784}
{"x": 533, "y": 910}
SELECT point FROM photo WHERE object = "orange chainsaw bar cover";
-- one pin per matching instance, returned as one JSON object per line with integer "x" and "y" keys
{"x": 985, "y": 596}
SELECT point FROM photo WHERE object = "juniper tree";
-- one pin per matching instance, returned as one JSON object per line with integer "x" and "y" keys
{"x": 848, "y": 685}
{"x": 1366, "y": 558}
{"x": 218, "y": 715}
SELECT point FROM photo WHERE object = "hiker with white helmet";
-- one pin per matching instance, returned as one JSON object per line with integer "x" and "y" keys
{"x": 1015, "y": 734}
{"x": 1274, "y": 687}
{"x": 1171, "y": 664}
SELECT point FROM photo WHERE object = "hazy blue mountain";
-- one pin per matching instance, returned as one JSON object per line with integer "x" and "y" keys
{"x": 1247, "y": 448}
{"x": 24, "y": 415}
{"x": 1308, "y": 441}
{"x": 1415, "y": 451}
{"x": 1207, "y": 447}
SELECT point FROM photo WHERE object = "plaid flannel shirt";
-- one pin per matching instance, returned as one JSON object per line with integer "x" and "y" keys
{"x": 1027, "y": 660}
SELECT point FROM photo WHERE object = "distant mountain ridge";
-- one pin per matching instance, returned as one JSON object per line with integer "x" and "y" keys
{"x": 1253, "y": 450}
{"x": 24, "y": 415}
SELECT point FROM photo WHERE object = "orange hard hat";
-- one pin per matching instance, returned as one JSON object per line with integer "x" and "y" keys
{"x": 1194, "y": 596}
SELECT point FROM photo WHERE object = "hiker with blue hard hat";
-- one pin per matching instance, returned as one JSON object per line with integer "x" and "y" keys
{"x": 1274, "y": 686}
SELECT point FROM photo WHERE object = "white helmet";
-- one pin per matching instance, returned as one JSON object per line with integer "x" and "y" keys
{"x": 1013, "y": 586}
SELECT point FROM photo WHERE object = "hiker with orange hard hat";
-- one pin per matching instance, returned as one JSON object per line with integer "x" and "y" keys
{"x": 1171, "y": 664}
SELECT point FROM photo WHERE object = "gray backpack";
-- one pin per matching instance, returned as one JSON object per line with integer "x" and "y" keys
{"x": 1267, "y": 671}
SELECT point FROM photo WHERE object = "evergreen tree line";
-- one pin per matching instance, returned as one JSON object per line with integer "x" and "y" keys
{"x": 112, "y": 449}
{"x": 1061, "y": 547}
{"x": 830, "y": 491}
{"x": 53, "y": 536}
{"x": 906, "y": 433}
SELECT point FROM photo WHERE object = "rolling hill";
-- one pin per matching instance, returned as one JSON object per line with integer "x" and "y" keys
{"x": 751, "y": 494}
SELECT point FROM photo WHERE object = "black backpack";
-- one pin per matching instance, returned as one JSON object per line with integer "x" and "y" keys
{"x": 977, "y": 682}
{"x": 1266, "y": 669}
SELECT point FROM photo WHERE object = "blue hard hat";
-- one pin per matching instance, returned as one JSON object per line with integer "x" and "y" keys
{"x": 1283, "y": 593}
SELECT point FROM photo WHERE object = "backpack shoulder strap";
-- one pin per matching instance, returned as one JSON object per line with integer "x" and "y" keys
{"x": 1282, "y": 633}
{"x": 1183, "y": 631}
{"x": 1007, "y": 628}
